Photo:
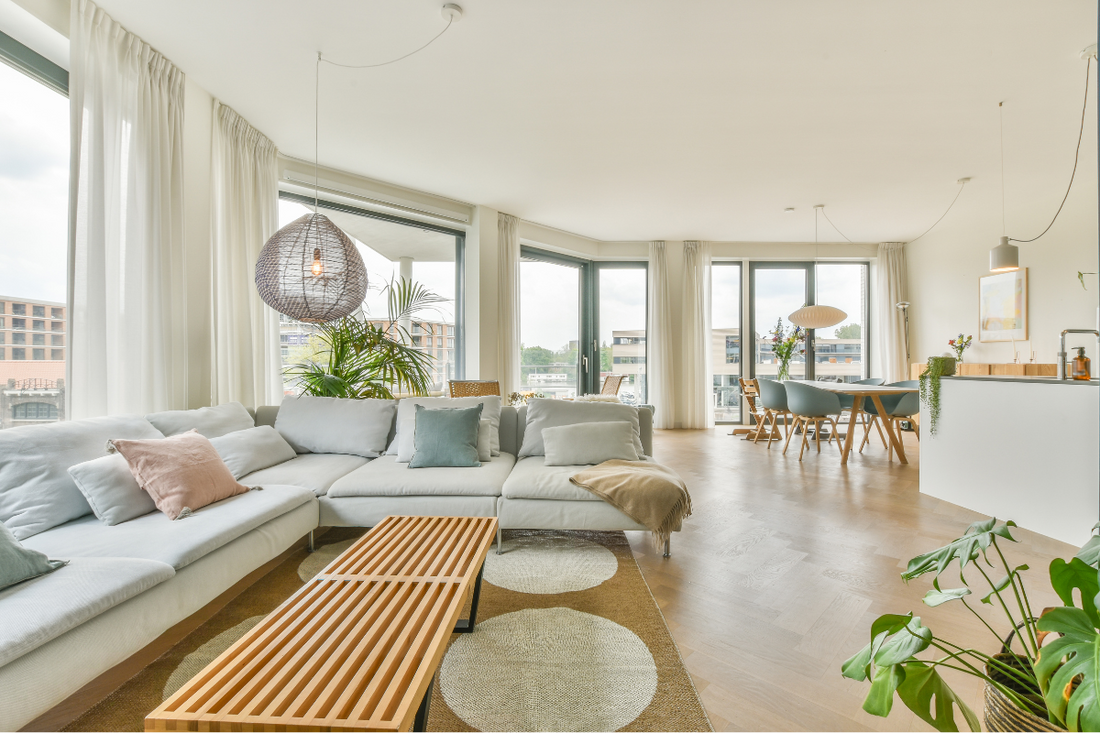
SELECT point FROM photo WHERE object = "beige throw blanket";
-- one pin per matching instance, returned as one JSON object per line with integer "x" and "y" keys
{"x": 647, "y": 492}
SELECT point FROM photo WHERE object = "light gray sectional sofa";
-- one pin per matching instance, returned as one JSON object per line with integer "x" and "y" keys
{"x": 126, "y": 584}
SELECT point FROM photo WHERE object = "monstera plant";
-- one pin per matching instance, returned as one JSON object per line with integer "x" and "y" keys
{"x": 1055, "y": 675}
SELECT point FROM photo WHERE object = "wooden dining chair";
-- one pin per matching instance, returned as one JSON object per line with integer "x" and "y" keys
{"x": 750, "y": 389}
{"x": 611, "y": 384}
{"x": 474, "y": 388}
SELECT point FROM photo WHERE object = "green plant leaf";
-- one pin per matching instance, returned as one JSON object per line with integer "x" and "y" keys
{"x": 1003, "y": 583}
{"x": 927, "y": 694}
{"x": 895, "y": 639}
{"x": 911, "y": 639}
{"x": 965, "y": 549}
{"x": 1075, "y": 654}
{"x": 858, "y": 667}
{"x": 1076, "y": 574}
{"x": 880, "y": 698}
{"x": 935, "y": 597}
{"x": 1090, "y": 552}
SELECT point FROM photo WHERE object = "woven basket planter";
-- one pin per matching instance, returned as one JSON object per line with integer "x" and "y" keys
{"x": 1001, "y": 714}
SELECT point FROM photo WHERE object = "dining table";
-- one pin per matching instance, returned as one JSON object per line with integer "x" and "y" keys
{"x": 860, "y": 392}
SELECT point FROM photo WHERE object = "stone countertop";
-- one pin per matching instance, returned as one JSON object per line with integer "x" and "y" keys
{"x": 1019, "y": 378}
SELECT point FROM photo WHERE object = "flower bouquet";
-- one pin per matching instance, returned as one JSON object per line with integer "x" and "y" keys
{"x": 785, "y": 346}
{"x": 959, "y": 345}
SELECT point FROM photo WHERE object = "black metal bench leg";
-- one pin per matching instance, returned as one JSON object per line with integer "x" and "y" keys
{"x": 465, "y": 626}
{"x": 420, "y": 723}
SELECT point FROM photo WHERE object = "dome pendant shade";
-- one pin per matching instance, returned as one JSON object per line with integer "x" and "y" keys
{"x": 1004, "y": 257}
{"x": 311, "y": 271}
{"x": 817, "y": 316}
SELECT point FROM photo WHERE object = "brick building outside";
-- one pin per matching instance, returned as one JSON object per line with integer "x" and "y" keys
{"x": 33, "y": 349}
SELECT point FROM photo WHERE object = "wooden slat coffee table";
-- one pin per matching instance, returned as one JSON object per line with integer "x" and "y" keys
{"x": 357, "y": 647}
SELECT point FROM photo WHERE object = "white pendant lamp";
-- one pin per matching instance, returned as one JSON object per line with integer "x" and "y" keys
{"x": 817, "y": 316}
{"x": 1005, "y": 257}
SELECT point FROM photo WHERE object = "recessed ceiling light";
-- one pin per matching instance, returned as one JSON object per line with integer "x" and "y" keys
{"x": 788, "y": 210}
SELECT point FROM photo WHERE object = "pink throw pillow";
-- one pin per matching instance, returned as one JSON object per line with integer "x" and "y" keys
{"x": 182, "y": 473}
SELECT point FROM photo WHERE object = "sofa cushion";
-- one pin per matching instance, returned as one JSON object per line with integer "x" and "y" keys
{"x": 251, "y": 450}
{"x": 177, "y": 543}
{"x": 386, "y": 477}
{"x": 335, "y": 425}
{"x": 39, "y": 610}
{"x": 542, "y": 413}
{"x": 36, "y": 490}
{"x": 313, "y": 471}
{"x": 210, "y": 422}
{"x": 403, "y": 445}
{"x": 446, "y": 437}
{"x": 111, "y": 489}
{"x": 589, "y": 442}
{"x": 533, "y": 479}
{"x": 19, "y": 564}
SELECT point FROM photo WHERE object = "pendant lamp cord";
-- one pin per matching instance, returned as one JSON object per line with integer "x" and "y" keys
{"x": 1001, "y": 121}
{"x": 1076, "y": 157}
{"x": 399, "y": 58}
{"x": 316, "y": 127}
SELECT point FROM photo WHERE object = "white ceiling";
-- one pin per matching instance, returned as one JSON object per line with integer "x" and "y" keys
{"x": 642, "y": 119}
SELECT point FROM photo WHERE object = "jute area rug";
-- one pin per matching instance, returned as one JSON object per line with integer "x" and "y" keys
{"x": 568, "y": 638}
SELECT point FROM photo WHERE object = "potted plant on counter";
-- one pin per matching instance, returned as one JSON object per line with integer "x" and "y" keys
{"x": 1051, "y": 683}
{"x": 938, "y": 366}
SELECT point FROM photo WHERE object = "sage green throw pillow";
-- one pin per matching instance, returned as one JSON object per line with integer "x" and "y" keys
{"x": 18, "y": 563}
{"x": 446, "y": 437}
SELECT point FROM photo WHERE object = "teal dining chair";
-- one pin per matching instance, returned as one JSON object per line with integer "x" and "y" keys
{"x": 773, "y": 398}
{"x": 847, "y": 401}
{"x": 811, "y": 406}
{"x": 897, "y": 407}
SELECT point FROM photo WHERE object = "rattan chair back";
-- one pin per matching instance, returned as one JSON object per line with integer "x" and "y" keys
{"x": 474, "y": 388}
{"x": 611, "y": 384}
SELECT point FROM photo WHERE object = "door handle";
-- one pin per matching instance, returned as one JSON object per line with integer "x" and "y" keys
{"x": 584, "y": 364}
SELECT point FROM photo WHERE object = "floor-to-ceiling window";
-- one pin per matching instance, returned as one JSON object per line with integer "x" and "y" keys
{"x": 622, "y": 327}
{"x": 391, "y": 246}
{"x": 726, "y": 346}
{"x": 34, "y": 215}
{"x": 550, "y": 325}
{"x": 836, "y": 354}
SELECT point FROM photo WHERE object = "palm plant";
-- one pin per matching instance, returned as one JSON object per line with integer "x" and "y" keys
{"x": 358, "y": 359}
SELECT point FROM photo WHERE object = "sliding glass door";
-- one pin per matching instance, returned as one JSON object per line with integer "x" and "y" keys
{"x": 621, "y": 319}
{"x": 839, "y": 350}
{"x": 777, "y": 289}
{"x": 550, "y": 325}
{"x": 726, "y": 342}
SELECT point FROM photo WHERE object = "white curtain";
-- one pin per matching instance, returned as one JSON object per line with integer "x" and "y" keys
{"x": 891, "y": 289}
{"x": 508, "y": 356}
{"x": 126, "y": 266}
{"x": 659, "y": 352}
{"x": 246, "y": 365}
{"x": 697, "y": 369}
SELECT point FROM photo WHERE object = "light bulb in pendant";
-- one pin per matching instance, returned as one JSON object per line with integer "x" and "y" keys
{"x": 318, "y": 268}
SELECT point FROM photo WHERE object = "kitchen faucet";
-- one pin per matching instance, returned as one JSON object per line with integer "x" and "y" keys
{"x": 1062, "y": 351}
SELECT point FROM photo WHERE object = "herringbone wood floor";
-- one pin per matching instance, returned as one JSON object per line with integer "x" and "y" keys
{"x": 783, "y": 566}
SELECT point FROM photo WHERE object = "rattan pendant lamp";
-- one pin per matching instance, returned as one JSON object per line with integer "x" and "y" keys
{"x": 310, "y": 270}
{"x": 817, "y": 316}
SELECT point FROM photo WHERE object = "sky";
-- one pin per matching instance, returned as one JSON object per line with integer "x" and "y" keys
{"x": 34, "y": 188}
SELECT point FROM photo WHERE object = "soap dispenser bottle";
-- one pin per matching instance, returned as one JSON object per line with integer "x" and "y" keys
{"x": 1081, "y": 365}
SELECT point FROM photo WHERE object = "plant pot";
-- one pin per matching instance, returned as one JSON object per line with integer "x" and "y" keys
{"x": 1001, "y": 714}
{"x": 947, "y": 363}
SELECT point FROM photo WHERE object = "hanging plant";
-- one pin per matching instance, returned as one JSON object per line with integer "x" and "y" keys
{"x": 938, "y": 366}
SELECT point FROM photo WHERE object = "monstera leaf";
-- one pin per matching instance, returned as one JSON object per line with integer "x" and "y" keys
{"x": 1078, "y": 708}
{"x": 894, "y": 641}
{"x": 965, "y": 549}
{"x": 925, "y": 693}
{"x": 1076, "y": 574}
{"x": 1003, "y": 583}
{"x": 1090, "y": 553}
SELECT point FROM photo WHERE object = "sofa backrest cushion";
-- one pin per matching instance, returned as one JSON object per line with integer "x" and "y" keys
{"x": 36, "y": 491}
{"x": 543, "y": 413}
{"x": 255, "y": 449}
{"x": 210, "y": 422}
{"x": 645, "y": 425}
{"x": 510, "y": 439}
{"x": 336, "y": 425}
{"x": 590, "y": 443}
{"x": 111, "y": 489}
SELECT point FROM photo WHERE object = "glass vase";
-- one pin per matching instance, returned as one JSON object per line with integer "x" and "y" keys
{"x": 784, "y": 371}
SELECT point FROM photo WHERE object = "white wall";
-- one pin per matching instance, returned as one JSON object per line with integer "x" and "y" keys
{"x": 944, "y": 268}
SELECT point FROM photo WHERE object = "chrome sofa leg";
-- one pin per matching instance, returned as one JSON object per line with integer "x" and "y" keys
{"x": 311, "y": 548}
{"x": 500, "y": 540}
{"x": 668, "y": 547}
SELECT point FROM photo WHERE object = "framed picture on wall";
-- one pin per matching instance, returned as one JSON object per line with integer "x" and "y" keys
{"x": 1002, "y": 306}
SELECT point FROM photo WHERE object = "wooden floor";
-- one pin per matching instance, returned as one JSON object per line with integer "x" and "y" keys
{"x": 783, "y": 566}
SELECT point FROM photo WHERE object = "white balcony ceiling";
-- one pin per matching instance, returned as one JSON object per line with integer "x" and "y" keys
{"x": 642, "y": 119}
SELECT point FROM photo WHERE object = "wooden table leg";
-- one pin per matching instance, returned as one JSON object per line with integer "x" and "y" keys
{"x": 894, "y": 439}
{"x": 857, "y": 404}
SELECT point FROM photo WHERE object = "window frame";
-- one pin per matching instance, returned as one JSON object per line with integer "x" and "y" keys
{"x": 742, "y": 269}
{"x": 460, "y": 260}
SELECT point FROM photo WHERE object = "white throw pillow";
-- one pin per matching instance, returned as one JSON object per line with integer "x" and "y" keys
{"x": 336, "y": 425}
{"x": 542, "y": 414}
{"x": 112, "y": 490}
{"x": 210, "y": 422}
{"x": 246, "y": 451}
{"x": 406, "y": 419}
{"x": 485, "y": 441}
{"x": 589, "y": 443}
{"x": 36, "y": 490}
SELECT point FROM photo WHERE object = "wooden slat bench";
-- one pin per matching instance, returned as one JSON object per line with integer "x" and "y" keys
{"x": 357, "y": 647}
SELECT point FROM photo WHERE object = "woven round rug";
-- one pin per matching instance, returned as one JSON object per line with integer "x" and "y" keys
{"x": 596, "y": 658}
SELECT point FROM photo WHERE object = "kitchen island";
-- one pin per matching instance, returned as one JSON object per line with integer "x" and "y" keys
{"x": 1020, "y": 448}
